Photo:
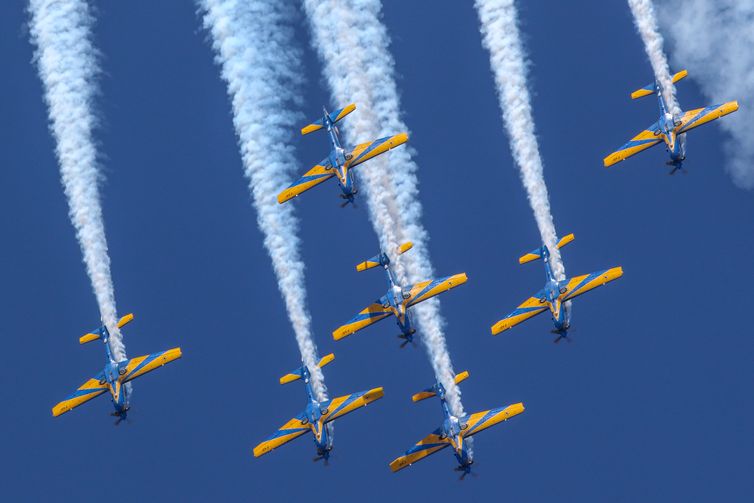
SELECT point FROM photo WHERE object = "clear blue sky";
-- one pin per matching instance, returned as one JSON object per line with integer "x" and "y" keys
{"x": 651, "y": 402}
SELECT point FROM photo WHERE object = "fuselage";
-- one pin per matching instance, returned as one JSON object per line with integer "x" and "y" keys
{"x": 314, "y": 411}
{"x": 451, "y": 429}
{"x": 667, "y": 124}
{"x": 339, "y": 159}
{"x": 397, "y": 297}
{"x": 560, "y": 312}
{"x": 113, "y": 371}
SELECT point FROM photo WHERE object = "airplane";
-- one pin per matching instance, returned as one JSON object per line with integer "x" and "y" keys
{"x": 317, "y": 416}
{"x": 555, "y": 295}
{"x": 341, "y": 160}
{"x": 454, "y": 430}
{"x": 669, "y": 127}
{"x": 115, "y": 374}
{"x": 398, "y": 298}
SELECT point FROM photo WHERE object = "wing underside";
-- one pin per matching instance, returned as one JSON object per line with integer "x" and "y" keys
{"x": 695, "y": 118}
{"x": 480, "y": 421}
{"x": 140, "y": 365}
{"x": 428, "y": 289}
{"x": 427, "y": 446}
{"x": 573, "y": 287}
{"x": 290, "y": 430}
{"x": 318, "y": 174}
{"x": 642, "y": 141}
{"x": 371, "y": 314}
{"x": 342, "y": 405}
{"x": 365, "y": 151}
{"x": 92, "y": 388}
{"x": 528, "y": 309}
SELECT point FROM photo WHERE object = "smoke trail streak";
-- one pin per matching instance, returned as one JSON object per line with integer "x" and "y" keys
{"x": 360, "y": 68}
{"x": 500, "y": 35}
{"x": 68, "y": 68}
{"x": 713, "y": 40}
{"x": 253, "y": 43}
{"x": 646, "y": 23}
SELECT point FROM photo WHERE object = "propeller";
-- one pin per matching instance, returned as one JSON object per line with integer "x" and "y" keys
{"x": 322, "y": 457}
{"x": 561, "y": 334}
{"x": 406, "y": 340}
{"x": 466, "y": 469}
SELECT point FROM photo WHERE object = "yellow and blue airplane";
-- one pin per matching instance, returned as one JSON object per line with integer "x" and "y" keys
{"x": 398, "y": 299}
{"x": 454, "y": 430}
{"x": 556, "y": 295}
{"x": 317, "y": 416}
{"x": 340, "y": 160}
{"x": 115, "y": 374}
{"x": 668, "y": 127}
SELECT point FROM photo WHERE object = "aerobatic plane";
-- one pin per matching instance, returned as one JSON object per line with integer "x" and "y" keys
{"x": 454, "y": 430}
{"x": 317, "y": 416}
{"x": 398, "y": 298}
{"x": 669, "y": 127}
{"x": 341, "y": 159}
{"x": 556, "y": 295}
{"x": 115, "y": 374}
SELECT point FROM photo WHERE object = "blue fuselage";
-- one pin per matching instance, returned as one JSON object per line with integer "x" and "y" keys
{"x": 112, "y": 372}
{"x": 560, "y": 313}
{"x": 323, "y": 438}
{"x": 667, "y": 124}
{"x": 451, "y": 429}
{"x": 395, "y": 298}
{"x": 339, "y": 160}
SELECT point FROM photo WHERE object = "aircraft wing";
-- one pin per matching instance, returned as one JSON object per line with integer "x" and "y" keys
{"x": 370, "y": 314}
{"x": 427, "y": 289}
{"x": 530, "y": 308}
{"x": 92, "y": 388}
{"x": 318, "y": 174}
{"x": 474, "y": 423}
{"x": 423, "y": 448}
{"x": 365, "y": 151}
{"x": 140, "y": 365}
{"x": 642, "y": 141}
{"x": 342, "y": 405}
{"x": 573, "y": 287}
{"x": 290, "y": 430}
{"x": 693, "y": 118}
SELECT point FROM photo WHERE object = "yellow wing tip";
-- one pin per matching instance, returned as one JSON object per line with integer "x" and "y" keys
{"x": 328, "y": 358}
{"x": 374, "y": 394}
{"x": 500, "y": 326}
{"x": 125, "y": 320}
{"x": 461, "y": 376}
{"x": 422, "y": 395}
{"x": 260, "y": 450}
{"x": 88, "y": 338}
{"x": 459, "y": 279}
{"x": 285, "y": 196}
{"x": 529, "y": 257}
{"x": 341, "y": 333}
{"x": 400, "y": 139}
{"x": 59, "y": 409}
{"x": 397, "y": 465}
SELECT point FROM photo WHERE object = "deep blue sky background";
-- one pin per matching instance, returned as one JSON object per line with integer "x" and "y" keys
{"x": 651, "y": 402}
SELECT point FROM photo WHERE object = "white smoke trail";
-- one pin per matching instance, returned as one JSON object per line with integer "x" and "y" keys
{"x": 646, "y": 23}
{"x": 714, "y": 40}
{"x": 500, "y": 35}
{"x": 67, "y": 64}
{"x": 253, "y": 43}
{"x": 354, "y": 46}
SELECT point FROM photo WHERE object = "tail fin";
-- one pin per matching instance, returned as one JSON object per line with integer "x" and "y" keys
{"x": 97, "y": 334}
{"x": 430, "y": 392}
{"x": 334, "y": 117}
{"x": 537, "y": 254}
{"x": 382, "y": 259}
{"x": 652, "y": 88}
{"x": 295, "y": 375}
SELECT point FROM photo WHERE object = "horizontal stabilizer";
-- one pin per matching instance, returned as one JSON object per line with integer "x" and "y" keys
{"x": 376, "y": 261}
{"x": 650, "y": 89}
{"x": 537, "y": 254}
{"x": 405, "y": 247}
{"x": 430, "y": 392}
{"x": 334, "y": 117}
{"x": 97, "y": 334}
{"x": 295, "y": 375}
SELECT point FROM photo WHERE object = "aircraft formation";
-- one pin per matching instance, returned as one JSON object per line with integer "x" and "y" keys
{"x": 317, "y": 416}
